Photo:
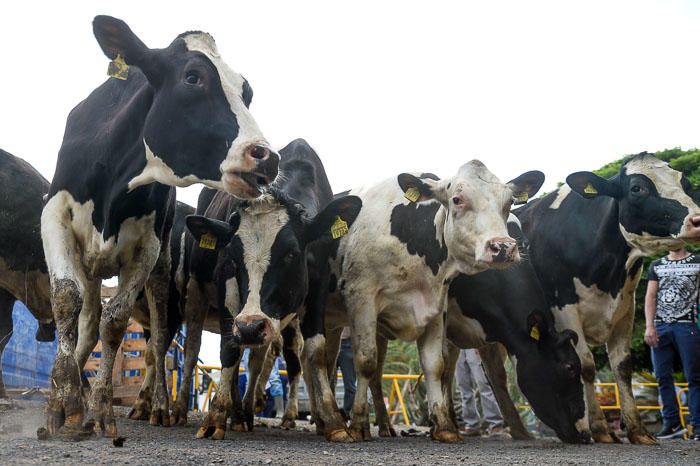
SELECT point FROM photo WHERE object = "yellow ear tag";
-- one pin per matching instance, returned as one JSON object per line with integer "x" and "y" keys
{"x": 535, "y": 333}
{"x": 118, "y": 68}
{"x": 207, "y": 241}
{"x": 522, "y": 198}
{"x": 412, "y": 194}
{"x": 589, "y": 189}
{"x": 339, "y": 228}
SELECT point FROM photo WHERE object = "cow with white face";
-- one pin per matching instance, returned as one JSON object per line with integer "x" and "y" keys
{"x": 587, "y": 247}
{"x": 169, "y": 117}
{"x": 394, "y": 267}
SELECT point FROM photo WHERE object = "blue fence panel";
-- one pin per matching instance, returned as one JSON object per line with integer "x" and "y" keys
{"x": 27, "y": 362}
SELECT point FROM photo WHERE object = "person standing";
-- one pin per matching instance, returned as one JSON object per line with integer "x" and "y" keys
{"x": 671, "y": 327}
{"x": 470, "y": 377}
{"x": 347, "y": 367}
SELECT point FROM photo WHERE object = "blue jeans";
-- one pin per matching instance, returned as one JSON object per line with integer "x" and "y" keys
{"x": 347, "y": 367}
{"x": 684, "y": 339}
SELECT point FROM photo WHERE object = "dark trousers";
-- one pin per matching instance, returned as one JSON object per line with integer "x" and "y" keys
{"x": 684, "y": 339}
{"x": 347, "y": 367}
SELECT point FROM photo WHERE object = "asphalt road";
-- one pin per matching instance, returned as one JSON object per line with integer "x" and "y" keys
{"x": 269, "y": 445}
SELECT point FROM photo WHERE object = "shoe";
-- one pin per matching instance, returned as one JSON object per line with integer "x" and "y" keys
{"x": 470, "y": 432}
{"x": 496, "y": 431}
{"x": 669, "y": 432}
{"x": 696, "y": 435}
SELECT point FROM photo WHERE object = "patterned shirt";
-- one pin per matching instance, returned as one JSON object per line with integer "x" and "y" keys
{"x": 677, "y": 297}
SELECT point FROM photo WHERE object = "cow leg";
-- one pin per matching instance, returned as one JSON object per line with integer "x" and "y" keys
{"x": 113, "y": 322}
{"x": 196, "y": 308}
{"x": 88, "y": 328}
{"x": 256, "y": 361}
{"x": 451, "y": 356}
{"x": 142, "y": 406}
{"x": 292, "y": 348}
{"x": 214, "y": 423}
{"x": 492, "y": 359}
{"x": 430, "y": 348}
{"x": 6, "y": 303}
{"x": 381, "y": 413}
{"x": 620, "y": 356}
{"x": 364, "y": 345}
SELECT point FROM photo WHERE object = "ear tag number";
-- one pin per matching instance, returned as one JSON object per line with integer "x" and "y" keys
{"x": 535, "y": 333}
{"x": 339, "y": 228}
{"x": 207, "y": 241}
{"x": 521, "y": 198}
{"x": 118, "y": 68}
{"x": 412, "y": 194}
{"x": 589, "y": 189}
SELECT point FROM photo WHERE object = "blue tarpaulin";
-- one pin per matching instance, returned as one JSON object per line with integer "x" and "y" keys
{"x": 26, "y": 362}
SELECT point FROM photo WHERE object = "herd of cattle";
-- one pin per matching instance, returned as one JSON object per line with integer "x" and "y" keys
{"x": 271, "y": 257}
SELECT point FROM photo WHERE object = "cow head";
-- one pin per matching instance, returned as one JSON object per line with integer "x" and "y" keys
{"x": 655, "y": 208}
{"x": 198, "y": 128}
{"x": 476, "y": 206}
{"x": 264, "y": 249}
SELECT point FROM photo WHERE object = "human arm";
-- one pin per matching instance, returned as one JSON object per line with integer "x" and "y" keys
{"x": 650, "y": 336}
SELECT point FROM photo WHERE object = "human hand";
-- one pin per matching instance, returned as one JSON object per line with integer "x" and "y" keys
{"x": 650, "y": 337}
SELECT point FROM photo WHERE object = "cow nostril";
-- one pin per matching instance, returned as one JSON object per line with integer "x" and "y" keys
{"x": 695, "y": 221}
{"x": 260, "y": 152}
{"x": 494, "y": 248}
{"x": 262, "y": 180}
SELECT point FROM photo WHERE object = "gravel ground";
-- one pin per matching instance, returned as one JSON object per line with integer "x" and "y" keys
{"x": 268, "y": 445}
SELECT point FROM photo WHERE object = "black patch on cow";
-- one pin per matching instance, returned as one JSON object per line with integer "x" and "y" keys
{"x": 414, "y": 225}
{"x": 333, "y": 283}
{"x": 21, "y": 203}
{"x": 429, "y": 176}
{"x": 635, "y": 267}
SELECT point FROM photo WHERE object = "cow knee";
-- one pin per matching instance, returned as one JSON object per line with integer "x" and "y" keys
{"x": 588, "y": 371}
{"x": 366, "y": 362}
{"x": 624, "y": 367}
{"x": 66, "y": 299}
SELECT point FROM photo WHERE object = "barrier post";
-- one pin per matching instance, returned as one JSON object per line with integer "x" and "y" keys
{"x": 174, "y": 388}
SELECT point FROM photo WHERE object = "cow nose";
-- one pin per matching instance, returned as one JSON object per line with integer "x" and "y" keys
{"x": 501, "y": 250}
{"x": 266, "y": 163}
{"x": 695, "y": 221}
{"x": 252, "y": 332}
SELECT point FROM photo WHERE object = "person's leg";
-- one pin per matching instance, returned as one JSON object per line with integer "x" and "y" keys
{"x": 347, "y": 367}
{"x": 687, "y": 338}
{"x": 489, "y": 406}
{"x": 662, "y": 359}
{"x": 470, "y": 415}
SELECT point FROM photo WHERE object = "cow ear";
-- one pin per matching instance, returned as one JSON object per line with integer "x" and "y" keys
{"x": 117, "y": 39}
{"x": 589, "y": 185}
{"x": 334, "y": 220}
{"x": 209, "y": 233}
{"x": 537, "y": 328}
{"x": 421, "y": 189}
{"x": 526, "y": 186}
{"x": 247, "y": 93}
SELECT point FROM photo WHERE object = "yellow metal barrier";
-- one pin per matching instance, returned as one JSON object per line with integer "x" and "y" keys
{"x": 397, "y": 404}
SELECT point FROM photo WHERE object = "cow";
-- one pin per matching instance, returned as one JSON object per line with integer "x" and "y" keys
{"x": 587, "y": 240}
{"x": 23, "y": 274}
{"x": 393, "y": 269}
{"x": 274, "y": 266}
{"x": 180, "y": 117}
{"x": 509, "y": 307}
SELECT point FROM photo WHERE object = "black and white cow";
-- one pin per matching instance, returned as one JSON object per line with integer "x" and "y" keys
{"x": 394, "y": 267}
{"x": 23, "y": 274}
{"x": 509, "y": 307}
{"x": 587, "y": 247}
{"x": 273, "y": 266}
{"x": 180, "y": 118}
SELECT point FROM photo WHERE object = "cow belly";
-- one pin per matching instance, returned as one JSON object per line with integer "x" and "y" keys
{"x": 463, "y": 331}
{"x": 406, "y": 316}
{"x": 32, "y": 288}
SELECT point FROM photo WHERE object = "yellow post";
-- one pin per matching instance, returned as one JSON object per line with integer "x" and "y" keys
{"x": 399, "y": 395}
{"x": 196, "y": 385}
{"x": 208, "y": 397}
{"x": 174, "y": 384}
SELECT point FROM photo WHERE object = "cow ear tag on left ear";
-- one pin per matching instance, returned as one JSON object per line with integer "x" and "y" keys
{"x": 118, "y": 68}
{"x": 521, "y": 198}
{"x": 207, "y": 241}
{"x": 535, "y": 333}
{"x": 412, "y": 194}
{"x": 339, "y": 228}
{"x": 589, "y": 189}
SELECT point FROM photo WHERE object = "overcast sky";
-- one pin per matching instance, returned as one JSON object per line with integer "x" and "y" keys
{"x": 378, "y": 88}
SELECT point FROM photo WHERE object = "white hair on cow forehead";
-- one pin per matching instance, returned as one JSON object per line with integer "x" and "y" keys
{"x": 263, "y": 204}
{"x": 666, "y": 179}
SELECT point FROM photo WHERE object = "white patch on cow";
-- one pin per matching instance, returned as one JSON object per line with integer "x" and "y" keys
{"x": 157, "y": 170}
{"x": 232, "y": 300}
{"x": 594, "y": 313}
{"x": 562, "y": 193}
{"x": 232, "y": 84}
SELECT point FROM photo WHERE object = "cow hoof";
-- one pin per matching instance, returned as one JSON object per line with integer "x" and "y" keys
{"x": 387, "y": 431}
{"x": 287, "y": 424}
{"x": 238, "y": 427}
{"x": 204, "y": 432}
{"x": 642, "y": 439}
{"x": 447, "y": 436}
{"x": 340, "y": 436}
{"x": 219, "y": 433}
{"x": 178, "y": 417}
{"x": 603, "y": 437}
{"x": 159, "y": 418}
{"x": 361, "y": 434}
{"x": 73, "y": 434}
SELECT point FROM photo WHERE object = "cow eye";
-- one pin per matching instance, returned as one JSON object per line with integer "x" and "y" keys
{"x": 291, "y": 256}
{"x": 192, "y": 78}
{"x": 637, "y": 189}
{"x": 456, "y": 200}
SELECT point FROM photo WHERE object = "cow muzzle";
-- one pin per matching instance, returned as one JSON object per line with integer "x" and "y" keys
{"x": 252, "y": 330}
{"x": 692, "y": 228}
{"x": 258, "y": 169}
{"x": 500, "y": 252}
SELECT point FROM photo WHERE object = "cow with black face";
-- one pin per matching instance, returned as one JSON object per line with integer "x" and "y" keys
{"x": 273, "y": 266}
{"x": 180, "y": 117}
{"x": 394, "y": 267}
{"x": 587, "y": 248}
{"x": 508, "y": 306}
